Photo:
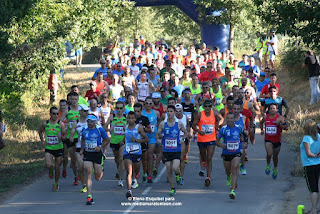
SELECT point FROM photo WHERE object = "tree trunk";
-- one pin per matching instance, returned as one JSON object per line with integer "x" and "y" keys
{"x": 231, "y": 37}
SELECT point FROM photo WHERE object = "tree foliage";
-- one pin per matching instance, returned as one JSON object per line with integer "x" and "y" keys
{"x": 33, "y": 33}
{"x": 298, "y": 18}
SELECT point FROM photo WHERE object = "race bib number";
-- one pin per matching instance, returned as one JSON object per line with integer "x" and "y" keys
{"x": 232, "y": 146}
{"x": 171, "y": 143}
{"x": 118, "y": 130}
{"x": 271, "y": 130}
{"x": 132, "y": 149}
{"x": 208, "y": 129}
{"x": 188, "y": 115}
{"x": 52, "y": 140}
{"x": 153, "y": 127}
{"x": 71, "y": 123}
{"x": 143, "y": 92}
{"x": 218, "y": 101}
{"x": 91, "y": 145}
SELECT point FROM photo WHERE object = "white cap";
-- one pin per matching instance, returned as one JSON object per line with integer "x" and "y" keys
{"x": 178, "y": 105}
{"x": 156, "y": 95}
{"x": 83, "y": 107}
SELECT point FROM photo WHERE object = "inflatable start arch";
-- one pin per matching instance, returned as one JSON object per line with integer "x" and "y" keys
{"x": 211, "y": 34}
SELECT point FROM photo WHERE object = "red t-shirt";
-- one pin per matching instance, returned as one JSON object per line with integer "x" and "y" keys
{"x": 265, "y": 89}
{"x": 205, "y": 76}
{"x": 247, "y": 113}
{"x": 108, "y": 80}
{"x": 90, "y": 94}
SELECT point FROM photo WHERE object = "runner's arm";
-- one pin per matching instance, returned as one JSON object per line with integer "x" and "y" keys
{"x": 284, "y": 103}
{"x": 261, "y": 124}
{"x": 63, "y": 130}
{"x": 186, "y": 134}
{"x": 219, "y": 118}
{"x": 144, "y": 139}
{"x": 73, "y": 131}
{"x": 158, "y": 135}
{"x": 41, "y": 130}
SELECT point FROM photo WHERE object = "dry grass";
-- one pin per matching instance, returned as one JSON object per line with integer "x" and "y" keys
{"x": 295, "y": 89}
{"x": 23, "y": 156}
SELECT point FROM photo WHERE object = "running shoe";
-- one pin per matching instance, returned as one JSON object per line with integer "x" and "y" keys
{"x": 135, "y": 184}
{"x": 117, "y": 176}
{"x": 275, "y": 173}
{"x": 76, "y": 182}
{"x": 172, "y": 192}
{"x": 201, "y": 173}
{"x": 129, "y": 195}
{"x": 64, "y": 173}
{"x": 120, "y": 183}
{"x": 90, "y": 200}
{"x": 84, "y": 189}
{"x": 150, "y": 180}
{"x": 185, "y": 159}
{"x": 181, "y": 181}
{"x": 207, "y": 182}
{"x": 243, "y": 170}
{"x": 155, "y": 172}
{"x": 55, "y": 187}
{"x": 144, "y": 178}
{"x": 267, "y": 170}
{"x": 50, "y": 173}
{"x": 229, "y": 179}
{"x": 232, "y": 194}
{"x": 178, "y": 178}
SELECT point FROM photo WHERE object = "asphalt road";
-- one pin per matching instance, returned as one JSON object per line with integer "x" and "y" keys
{"x": 256, "y": 192}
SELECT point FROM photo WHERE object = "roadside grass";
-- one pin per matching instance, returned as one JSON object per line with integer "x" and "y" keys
{"x": 22, "y": 159}
{"x": 295, "y": 89}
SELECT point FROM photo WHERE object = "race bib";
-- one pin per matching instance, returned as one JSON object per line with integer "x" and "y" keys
{"x": 171, "y": 143}
{"x": 118, "y": 130}
{"x": 218, "y": 101}
{"x": 188, "y": 115}
{"x": 232, "y": 146}
{"x": 271, "y": 130}
{"x": 143, "y": 92}
{"x": 71, "y": 123}
{"x": 153, "y": 127}
{"x": 52, "y": 140}
{"x": 208, "y": 129}
{"x": 132, "y": 149}
{"x": 91, "y": 145}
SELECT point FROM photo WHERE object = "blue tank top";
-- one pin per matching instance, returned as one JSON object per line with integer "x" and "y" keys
{"x": 240, "y": 122}
{"x": 231, "y": 137}
{"x": 171, "y": 138}
{"x": 132, "y": 147}
{"x": 153, "y": 124}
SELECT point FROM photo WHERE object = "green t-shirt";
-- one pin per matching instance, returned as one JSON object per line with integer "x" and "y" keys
{"x": 165, "y": 100}
{"x": 82, "y": 101}
{"x": 117, "y": 133}
{"x": 164, "y": 70}
{"x": 51, "y": 135}
{"x": 72, "y": 117}
{"x": 129, "y": 108}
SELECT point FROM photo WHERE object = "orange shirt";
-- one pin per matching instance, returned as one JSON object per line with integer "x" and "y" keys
{"x": 100, "y": 86}
{"x": 207, "y": 124}
{"x": 220, "y": 74}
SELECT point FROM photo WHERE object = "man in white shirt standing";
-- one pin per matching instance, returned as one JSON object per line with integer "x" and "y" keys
{"x": 273, "y": 47}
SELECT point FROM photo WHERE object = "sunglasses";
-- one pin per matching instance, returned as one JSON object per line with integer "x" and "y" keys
{"x": 104, "y": 97}
{"x": 179, "y": 111}
{"x": 85, "y": 110}
{"x": 54, "y": 113}
{"x": 207, "y": 106}
{"x": 148, "y": 103}
{"x": 119, "y": 108}
{"x": 247, "y": 92}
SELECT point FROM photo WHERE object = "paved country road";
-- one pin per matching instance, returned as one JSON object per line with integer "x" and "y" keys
{"x": 256, "y": 192}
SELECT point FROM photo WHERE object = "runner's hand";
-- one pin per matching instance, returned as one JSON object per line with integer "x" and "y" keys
{"x": 202, "y": 133}
{"x": 132, "y": 139}
{"x": 246, "y": 132}
{"x": 223, "y": 146}
{"x": 97, "y": 149}
{"x": 262, "y": 132}
{"x": 244, "y": 145}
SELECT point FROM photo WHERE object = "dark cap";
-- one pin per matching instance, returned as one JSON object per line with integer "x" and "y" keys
{"x": 272, "y": 30}
{"x": 162, "y": 89}
{"x": 187, "y": 90}
{"x": 207, "y": 102}
{"x": 168, "y": 62}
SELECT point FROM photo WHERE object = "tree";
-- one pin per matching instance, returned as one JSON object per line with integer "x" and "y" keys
{"x": 297, "y": 18}
{"x": 236, "y": 13}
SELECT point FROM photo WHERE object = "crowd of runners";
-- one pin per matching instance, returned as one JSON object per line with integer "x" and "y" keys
{"x": 150, "y": 102}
